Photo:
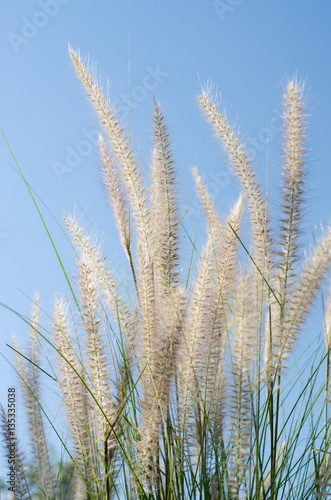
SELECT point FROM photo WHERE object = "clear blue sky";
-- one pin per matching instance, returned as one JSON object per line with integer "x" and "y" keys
{"x": 246, "y": 48}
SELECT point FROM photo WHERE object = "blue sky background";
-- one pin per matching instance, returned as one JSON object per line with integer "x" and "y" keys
{"x": 245, "y": 48}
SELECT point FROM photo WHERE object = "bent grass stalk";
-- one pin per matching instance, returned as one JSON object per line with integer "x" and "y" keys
{"x": 168, "y": 396}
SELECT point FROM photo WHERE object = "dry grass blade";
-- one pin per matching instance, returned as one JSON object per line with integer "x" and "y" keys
{"x": 120, "y": 146}
{"x": 31, "y": 389}
{"x": 243, "y": 341}
{"x": 198, "y": 322}
{"x": 74, "y": 393}
{"x": 108, "y": 286}
{"x": 242, "y": 168}
{"x": 164, "y": 202}
{"x": 293, "y": 184}
{"x": 14, "y": 457}
{"x": 314, "y": 270}
{"x": 213, "y": 219}
{"x": 116, "y": 196}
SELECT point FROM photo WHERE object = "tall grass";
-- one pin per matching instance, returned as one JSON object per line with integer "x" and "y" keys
{"x": 173, "y": 391}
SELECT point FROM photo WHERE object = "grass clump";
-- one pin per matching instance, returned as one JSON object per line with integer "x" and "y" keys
{"x": 178, "y": 392}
